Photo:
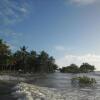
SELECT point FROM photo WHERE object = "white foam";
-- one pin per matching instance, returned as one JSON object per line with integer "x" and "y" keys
{"x": 11, "y": 78}
{"x": 26, "y": 91}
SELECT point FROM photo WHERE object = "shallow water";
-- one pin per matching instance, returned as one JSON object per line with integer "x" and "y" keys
{"x": 62, "y": 82}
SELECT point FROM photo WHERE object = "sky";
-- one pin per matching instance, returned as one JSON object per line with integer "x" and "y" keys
{"x": 69, "y": 30}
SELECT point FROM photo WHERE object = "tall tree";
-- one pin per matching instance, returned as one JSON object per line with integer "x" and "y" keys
{"x": 32, "y": 58}
{"x": 25, "y": 61}
{"x": 21, "y": 58}
{"x": 43, "y": 61}
{"x": 4, "y": 54}
{"x": 51, "y": 64}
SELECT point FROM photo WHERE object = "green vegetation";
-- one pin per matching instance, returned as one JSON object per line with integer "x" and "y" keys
{"x": 30, "y": 61}
{"x": 70, "y": 69}
{"x": 84, "y": 81}
{"x": 25, "y": 61}
{"x": 84, "y": 68}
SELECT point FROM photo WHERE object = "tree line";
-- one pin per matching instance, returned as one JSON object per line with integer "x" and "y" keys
{"x": 25, "y": 61}
{"x": 73, "y": 68}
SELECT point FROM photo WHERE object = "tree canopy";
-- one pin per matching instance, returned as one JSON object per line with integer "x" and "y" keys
{"x": 84, "y": 68}
{"x": 5, "y": 54}
{"x": 70, "y": 69}
{"x": 24, "y": 60}
{"x": 31, "y": 61}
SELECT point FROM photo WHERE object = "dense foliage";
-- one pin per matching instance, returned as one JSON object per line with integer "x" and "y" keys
{"x": 70, "y": 69}
{"x": 25, "y": 61}
{"x": 84, "y": 81}
{"x": 84, "y": 68}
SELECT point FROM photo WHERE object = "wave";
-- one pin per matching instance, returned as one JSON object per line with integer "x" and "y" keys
{"x": 24, "y": 91}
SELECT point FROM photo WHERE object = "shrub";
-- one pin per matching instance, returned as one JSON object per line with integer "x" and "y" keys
{"x": 70, "y": 69}
{"x": 84, "y": 81}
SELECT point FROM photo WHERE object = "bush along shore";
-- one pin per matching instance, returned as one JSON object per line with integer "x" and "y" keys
{"x": 73, "y": 68}
{"x": 84, "y": 81}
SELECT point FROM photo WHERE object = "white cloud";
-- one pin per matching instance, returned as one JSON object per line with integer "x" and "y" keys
{"x": 89, "y": 58}
{"x": 83, "y": 2}
{"x": 24, "y": 10}
{"x": 14, "y": 38}
{"x": 11, "y": 33}
{"x": 12, "y": 11}
{"x": 12, "y": 47}
{"x": 60, "y": 48}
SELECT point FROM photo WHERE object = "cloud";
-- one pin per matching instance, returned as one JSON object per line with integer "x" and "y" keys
{"x": 89, "y": 58}
{"x": 12, "y": 11}
{"x": 83, "y": 2}
{"x": 12, "y": 47}
{"x": 11, "y": 33}
{"x": 12, "y": 38}
{"x": 60, "y": 48}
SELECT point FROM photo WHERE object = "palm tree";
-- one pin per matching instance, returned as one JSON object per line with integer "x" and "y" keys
{"x": 43, "y": 61}
{"x": 21, "y": 58}
{"x": 32, "y": 58}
